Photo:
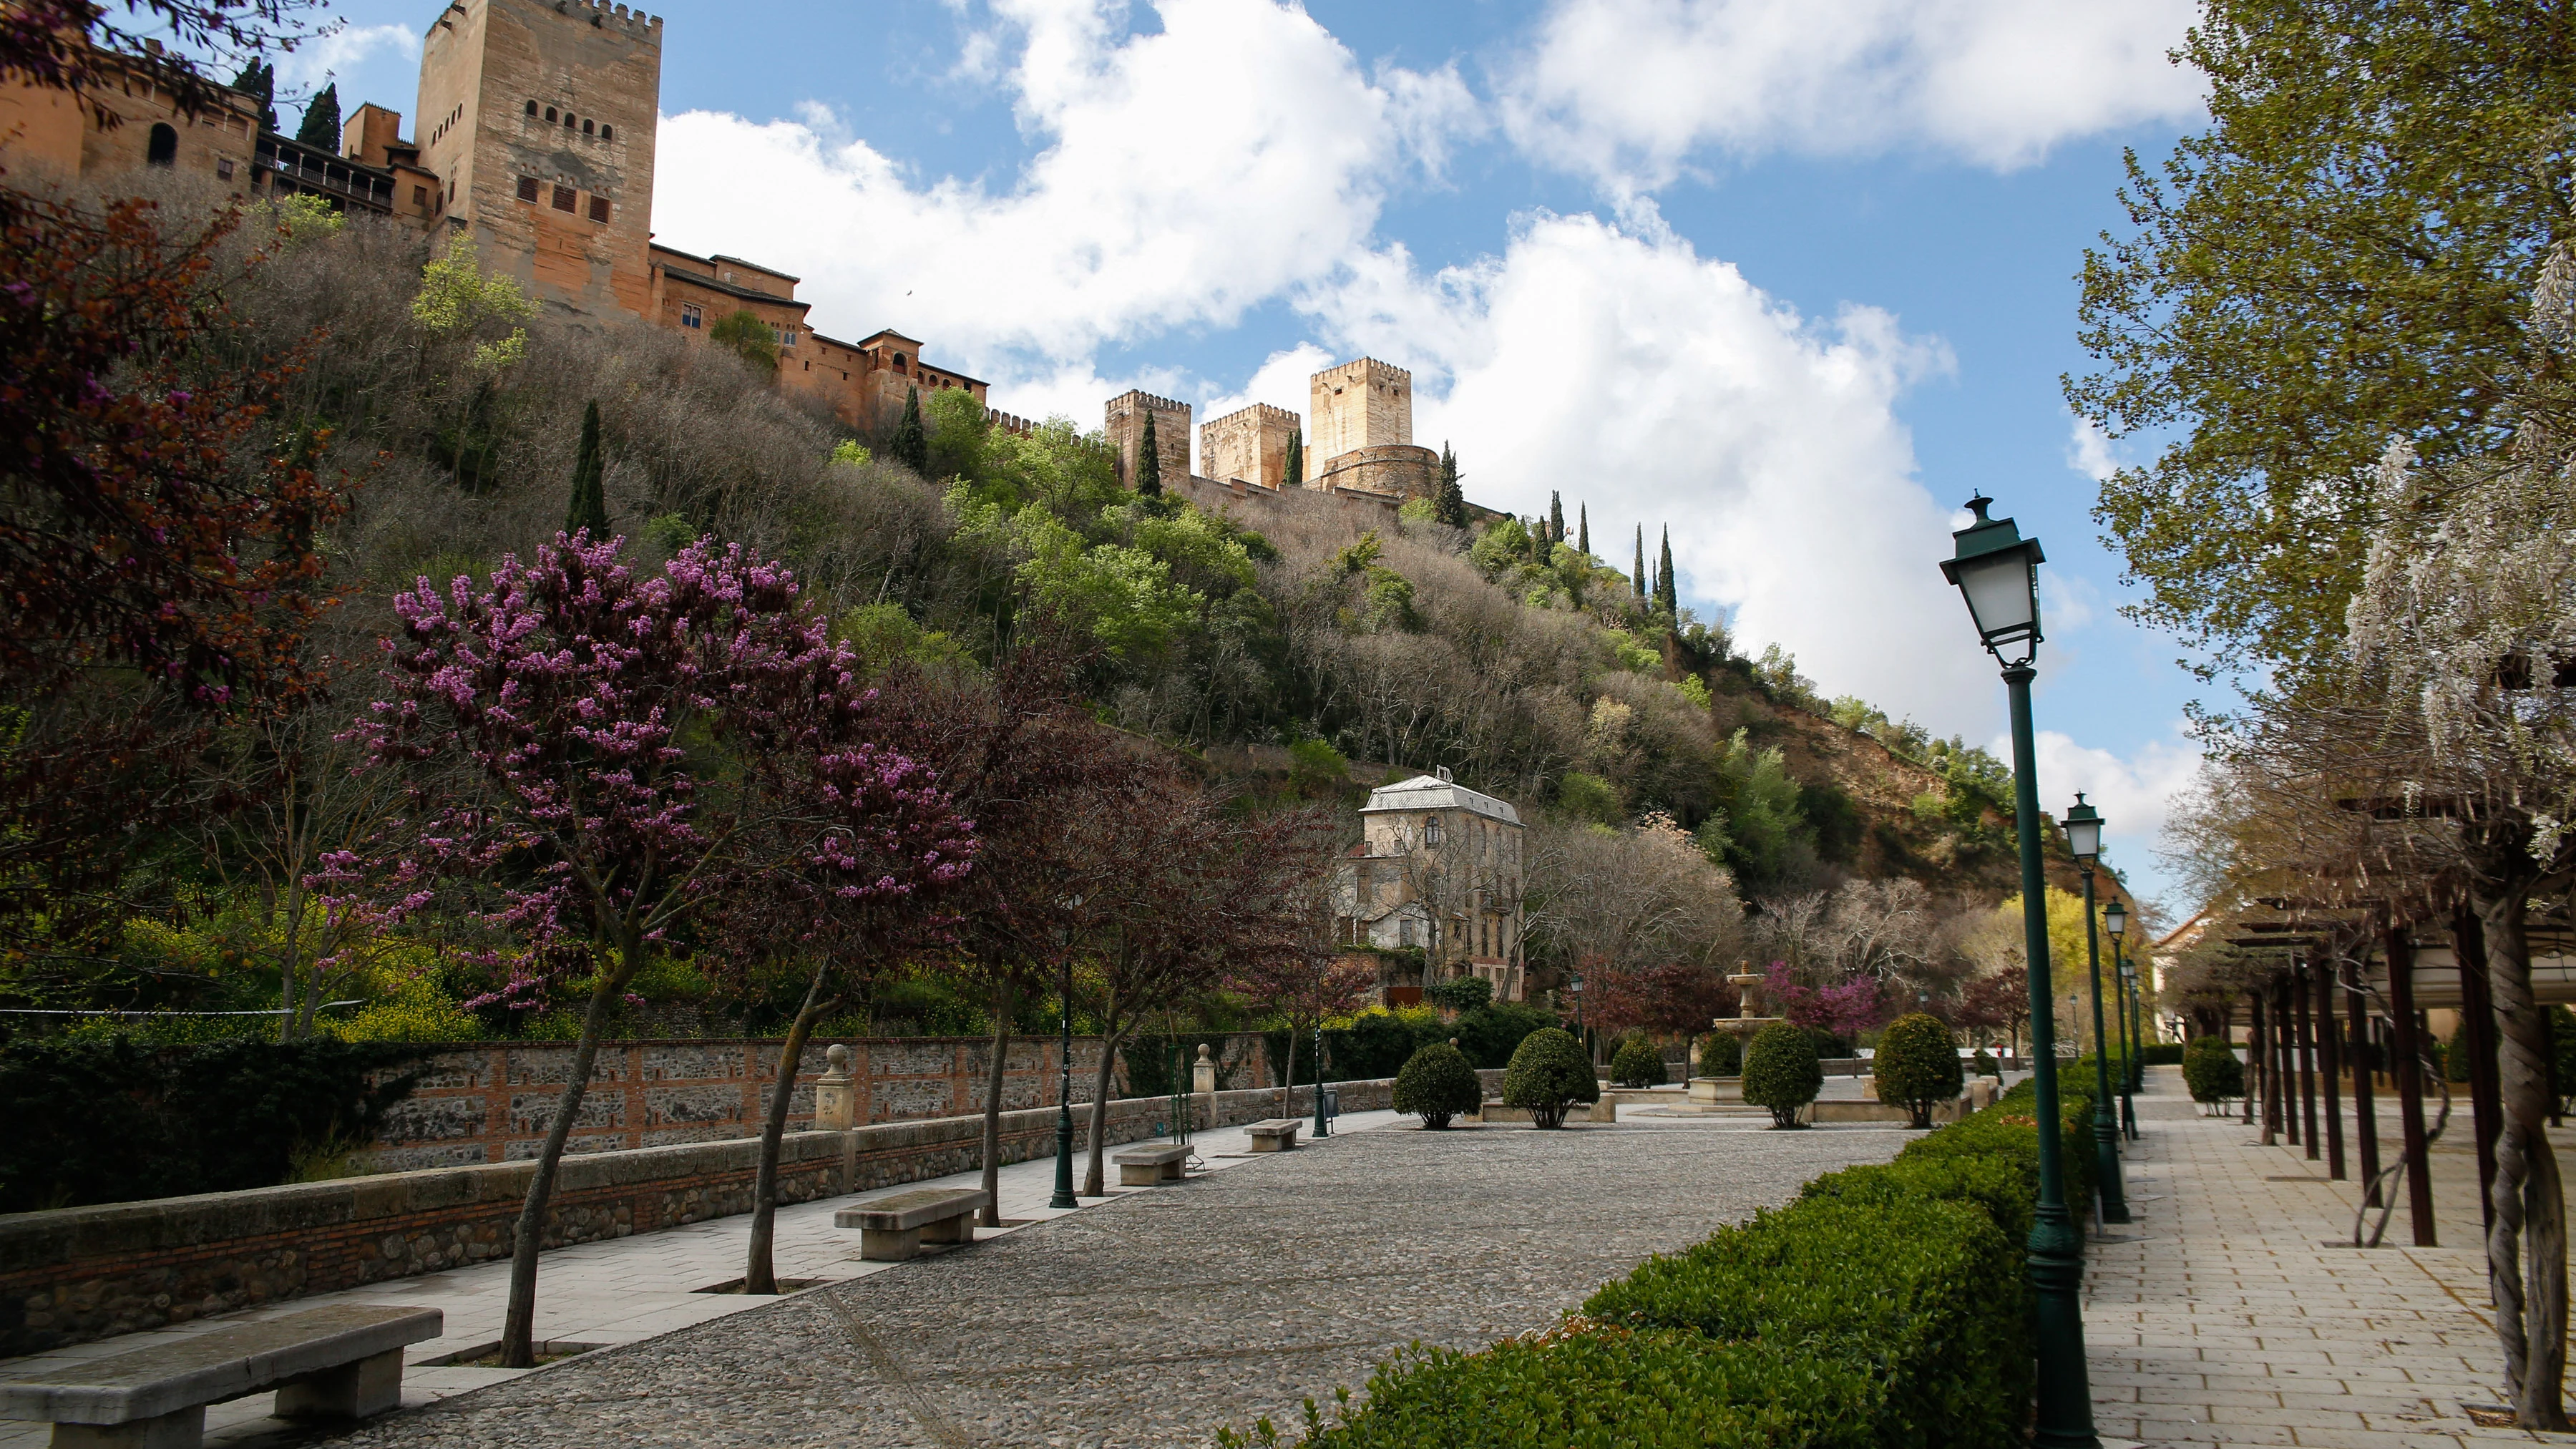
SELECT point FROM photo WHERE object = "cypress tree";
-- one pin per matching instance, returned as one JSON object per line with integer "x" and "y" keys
{"x": 1453, "y": 500}
{"x": 1296, "y": 460}
{"x": 589, "y": 472}
{"x": 322, "y": 120}
{"x": 911, "y": 445}
{"x": 1667, "y": 594}
{"x": 1149, "y": 461}
{"x": 1555, "y": 517}
{"x": 1583, "y": 530}
{"x": 1639, "y": 578}
{"x": 258, "y": 80}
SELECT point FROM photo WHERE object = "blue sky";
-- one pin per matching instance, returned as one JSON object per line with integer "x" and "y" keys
{"x": 1792, "y": 277}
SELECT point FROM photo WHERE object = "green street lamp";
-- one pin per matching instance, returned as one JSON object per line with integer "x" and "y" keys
{"x": 1322, "y": 1128}
{"x": 2132, "y": 1028}
{"x": 2084, "y": 837}
{"x": 1064, "y": 1197}
{"x": 1997, "y": 571}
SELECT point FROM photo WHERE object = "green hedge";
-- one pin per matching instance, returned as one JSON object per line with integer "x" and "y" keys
{"x": 2160, "y": 1054}
{"x": 1888, "y": 1306}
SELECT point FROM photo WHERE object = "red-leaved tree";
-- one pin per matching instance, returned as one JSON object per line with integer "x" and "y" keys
{"x": 555, "y": 730}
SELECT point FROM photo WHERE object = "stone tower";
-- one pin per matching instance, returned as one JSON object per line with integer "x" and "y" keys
{"x": 540, "y": 119}
{"x": 1363, "y": 437}
{"x": 1250, "y": 444}
{"x": 1126, "y": 430}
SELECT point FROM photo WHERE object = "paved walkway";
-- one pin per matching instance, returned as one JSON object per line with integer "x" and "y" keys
{"x": 2233, "y": 1311}
{"x": 622, "y": 1290}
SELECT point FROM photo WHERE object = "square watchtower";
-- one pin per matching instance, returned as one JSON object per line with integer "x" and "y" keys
{"x": 1362, "y": 404}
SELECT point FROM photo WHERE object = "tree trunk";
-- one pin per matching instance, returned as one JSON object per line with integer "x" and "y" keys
{"x": 1288, "y": 1080}
{"x": 2527, "y": 1246}
{"x": 1094, "y": 1182}
{"x": 518, "y": 1329}
{"x": 992, "y": 1216}
{"x": 758, "y": 1274}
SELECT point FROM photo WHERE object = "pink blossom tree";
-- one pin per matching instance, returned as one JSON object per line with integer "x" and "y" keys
{"x": 563, "y": 736}
{"x": 1845, "y": 1010}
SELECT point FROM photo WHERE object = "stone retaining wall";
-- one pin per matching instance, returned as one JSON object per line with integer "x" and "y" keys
{"x": 74, "y": 1274}
{"x": 493, "y": 1101}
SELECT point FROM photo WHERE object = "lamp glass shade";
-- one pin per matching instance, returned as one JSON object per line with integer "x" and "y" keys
{"x": 2115, "y": 919}
{"x": 2083, "y": 826}
{"x": 2003, "y": 596}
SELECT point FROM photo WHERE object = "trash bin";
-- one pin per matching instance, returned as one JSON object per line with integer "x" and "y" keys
{"x": 1332, "y": 1103}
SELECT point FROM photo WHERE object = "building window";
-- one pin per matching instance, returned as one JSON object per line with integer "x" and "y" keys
{"x": 585, "y": 128}
{"x": 564, "y": 198}
{"x": 898, "y": 362}
{"x": 532, "y": 108}
{"x": 809, "y": 364}
{"x": 607, "y": 132}
{"x": 599, "y": 208}
{"x": 224, "y": 168}
{"x": 690, "y": 316}
{"x": 163, "y": 147}
{"x": 527, "y": 188}
{"x": 567, "y": 120}
{"x": 550, "y": 113}
{"x": 420, "y": 197}
{"x": 787, "y": 336}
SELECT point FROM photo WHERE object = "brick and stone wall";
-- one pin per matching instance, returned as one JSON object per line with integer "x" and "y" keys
{"x": 71, "y": 1275}
{"x": 493, "y": 1101}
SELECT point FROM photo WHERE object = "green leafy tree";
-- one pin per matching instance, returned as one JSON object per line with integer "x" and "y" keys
{"x": 1555, "y": 517}
{"x": 258, "y": 80}
{"x": 1149, "y": 462}
{"x": 1637, "y": 580}
{"x": 747, "y": 337}
{"x": 1765, "y": 833}
{"x": 1548, "y": 1075}
{"x": 1781, "y": 1072}
{"x": 1436, "y": 1085}
{"x": 589, "y": 508}
{"x": 2344, "y": 256}
{"x": 1917, "y": 1066}
{"x": 2211, "y": 1070}
{"x": 1453, "y": 499}
{"x": 1296, "y": 465}
{"x": 322, "y": 120}
{"x": 911, "y": 446}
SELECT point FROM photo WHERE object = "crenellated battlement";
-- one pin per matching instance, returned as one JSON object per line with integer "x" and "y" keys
{"x": 605, "y": 13}
{"x": 1136, "y": 397}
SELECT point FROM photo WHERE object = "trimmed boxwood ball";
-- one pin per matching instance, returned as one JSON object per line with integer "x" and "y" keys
{"x": 1548, "y": 1075}
{"x": 1781, "y": 1072}
{"x": 1437, "y": 1084}
{"x": 2212, "y": 1070}
{"x": 1917, "y": 1066}
{"x": 1637, "y": 1064}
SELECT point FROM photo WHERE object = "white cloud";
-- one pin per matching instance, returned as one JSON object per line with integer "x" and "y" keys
{"x": 1630, "y": 91}
{"x": 1187, "y": 176}
{"x": 2089, "y": 450}
{"x": 340, "y": 54}
{"x": 2134, "y": 794}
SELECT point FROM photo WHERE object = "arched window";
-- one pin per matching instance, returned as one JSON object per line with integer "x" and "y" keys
{"x": 567, "y": 120}
{"x": 607, "y": 133}
{"x": 550, "y": 113}
{"x": 163, "y": 148}
{"x": 532, "y": 108}
{"x": 585, "y": 128}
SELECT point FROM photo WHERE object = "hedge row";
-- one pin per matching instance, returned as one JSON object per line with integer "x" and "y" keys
{"x": 1888, "y": 1306}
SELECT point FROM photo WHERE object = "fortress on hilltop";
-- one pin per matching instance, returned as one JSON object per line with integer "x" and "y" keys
{"x": 533, "y": 133}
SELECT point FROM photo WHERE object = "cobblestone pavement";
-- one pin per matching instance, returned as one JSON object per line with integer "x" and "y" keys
{"x": 1156, "y": 1318}
{"x": 2231, "y": 1310}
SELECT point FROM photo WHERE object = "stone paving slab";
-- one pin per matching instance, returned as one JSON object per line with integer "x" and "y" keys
{"x": 1160, "y": 1316}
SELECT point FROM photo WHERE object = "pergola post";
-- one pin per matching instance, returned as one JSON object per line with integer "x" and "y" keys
{"x": 2406, "y": 1064}
{"x": 2259, "y": 1057}
{"x": 2297, "y": 986}
{"x": 2285, "y": 1063}
{"x": 2365, "y": 1112}
{"x": 2477, "y": 1014}
{"x": 2329, "y": 1067}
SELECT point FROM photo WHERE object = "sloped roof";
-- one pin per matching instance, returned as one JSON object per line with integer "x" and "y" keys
{"x": 1430, "y": 792}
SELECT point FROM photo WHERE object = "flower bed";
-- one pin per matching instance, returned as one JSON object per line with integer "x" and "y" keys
{"x": 1887, "y": 1306}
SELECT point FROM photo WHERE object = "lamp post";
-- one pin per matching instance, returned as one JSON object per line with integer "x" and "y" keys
{"x": 1064, "y": 1197}
{"x": 2132, "y": 1030}
{"x": 1322, "y": 1128}
{"x": 1997, "y": 571}
{"x": 2084, "y": 837}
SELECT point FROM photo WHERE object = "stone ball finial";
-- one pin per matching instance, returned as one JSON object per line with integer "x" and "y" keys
{"x": 1203, "y": 1051}
{"x": 1453, "y": 1041}
{"x": 839, "y": 1058}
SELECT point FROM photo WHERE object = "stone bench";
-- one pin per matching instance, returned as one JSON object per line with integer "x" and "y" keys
{"x": 340, "y": 1361}
{"x": 893, "y": 1228}
{"x": 1145, "y": 1166}
{"x": 1277, "y": 1134}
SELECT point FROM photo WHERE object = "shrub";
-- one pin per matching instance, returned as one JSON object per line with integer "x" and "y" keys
{"x": 1917, "y": 1066}
{"x": 1465, "y": 993}
{"x": 2211, "y": 1070}
{"x": 1548, "y": 1075}
{"x": 1721, "y": 1054}
{"x": 1490, "y": 1034}
{"x": 1437, "y": 1084}
{"x": 1992, "y": 1181}
{"x": 1985, "y": 1066}
{"x": 1637, "y": 1063}
{"x": 1781, "y": 1072}
{"x": 2168, "y": 1053}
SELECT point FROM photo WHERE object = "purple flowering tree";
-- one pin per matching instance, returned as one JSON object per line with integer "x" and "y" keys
{"x": 1846, "y": 1010}
{"x": 565, "y": 735}
{"x": 865, "y": 843}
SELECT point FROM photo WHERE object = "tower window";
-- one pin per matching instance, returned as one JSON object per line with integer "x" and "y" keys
{"x": 224, "y": 168}
{"x": 599, "y": 208}
{"x": 564, "y": 198}
{"x": 690, "y": 316}
{"x": 420, "y": 197}
{"x": 527, "y": 188}
{"x": 163, "y": 148}
{"x": 567, "y": 120}
{"x": 585, "y": 128}
{"x": 550, "y": 113}
{"x": 607, "y": 132}
{"x": 532, "y": 108}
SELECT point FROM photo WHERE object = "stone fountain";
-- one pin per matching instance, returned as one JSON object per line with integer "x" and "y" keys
{"x": 1742, "y": 1026}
